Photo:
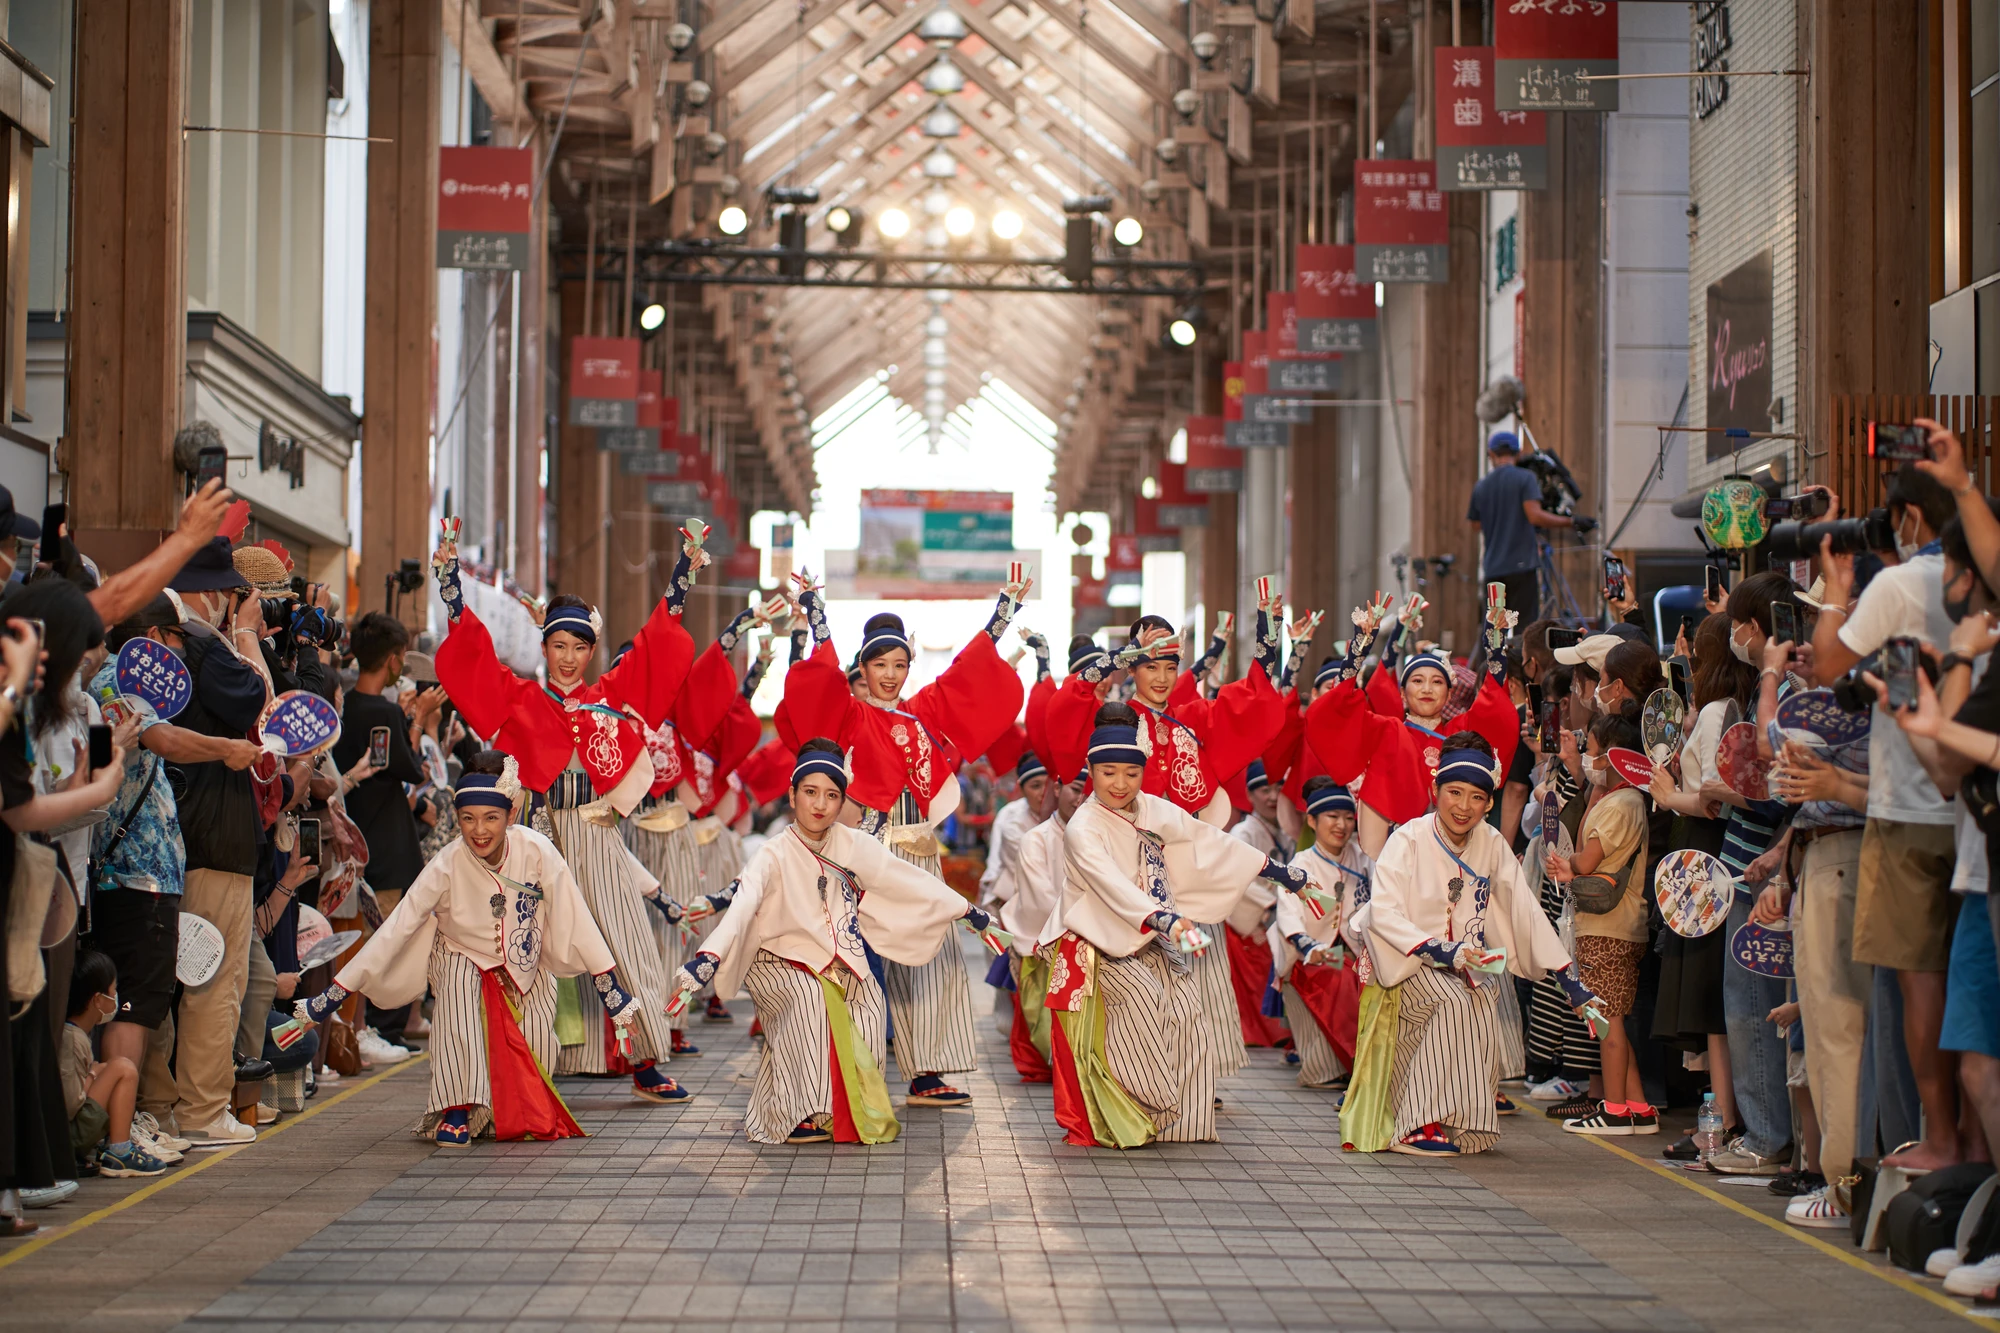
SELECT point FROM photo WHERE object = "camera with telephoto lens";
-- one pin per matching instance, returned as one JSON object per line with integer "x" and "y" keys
{"x": 1801, "y": 508}
{"x": 1559, "y": 489}
{"x": 1851, "y": 536}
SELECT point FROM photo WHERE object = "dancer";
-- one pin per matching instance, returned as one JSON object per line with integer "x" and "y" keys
{"x": 1244, "y": 933}
{"x": 1013, "y": 822}
{"x": 584, "y": 747}
{"x": 489, "y": 925}
{"x": 1389, "y": 762}
{"x": 1132, "y": 1046}
{"x": 1038, "y": 885}
{"x": 1448, "y": 916}
{"x": 1319, "y": 979}
{"x": 793, "y": 936}
{"x": 905, "y": 757}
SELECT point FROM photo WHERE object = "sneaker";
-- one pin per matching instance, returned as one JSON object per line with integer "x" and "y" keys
{"x": 1557, "y": 1089}
{"x": 1797, "y": 1184}
{"x": 1939, "y": 1264}
{"x": 153, "y": 1146}
{"x": 931, "y": 1090}
{"x": 1644, "y": 1122}
{"x": 267, "y": 1114}
{"x": 1601, "y": 1122}
{"x": 377, "y": 1051}
{"x": 1738, "y": 1160}
{"x": 1977, "y": 1280}
{"x": 147, "y": 1123}
{"x": 225, "y": 1132}
{"x": 325, "y": 1076}
{"x": 1576, "y": 1108}
{"x": 48, "y": 1196}
{"x": 1821, "y": 1210}
{"x": 133, "y": 1161}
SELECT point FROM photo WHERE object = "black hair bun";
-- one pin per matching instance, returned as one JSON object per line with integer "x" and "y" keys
{"x": 1468, "y": 740}
{"x": 1319, "y": 783}
{"x": 1116, "y": 715}
{"x": 883, "y": 622}
{"x": 1144, "y": 623}
{"x": 490, "y": 762}
{"x": 821, "y": 745}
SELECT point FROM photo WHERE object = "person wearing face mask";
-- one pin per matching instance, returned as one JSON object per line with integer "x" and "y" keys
{"x": 1903, "y": 909}
{"x": 905, "y": 756}
{"x": 99, "y": 1095}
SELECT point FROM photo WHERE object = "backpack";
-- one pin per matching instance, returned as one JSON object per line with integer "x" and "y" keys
{"x": 1925, "y": 1217}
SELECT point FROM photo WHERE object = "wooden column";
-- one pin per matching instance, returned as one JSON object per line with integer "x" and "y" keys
{"x": 398, "y": 365}
{"x": 1869, "y": 192}
{"x": 1562, "y": 242}
{"x": 1447, "y": 431}
{"x": 576, "y": 529}
{"x": 128, "y": 312}
{"x": 1314, "y": 580}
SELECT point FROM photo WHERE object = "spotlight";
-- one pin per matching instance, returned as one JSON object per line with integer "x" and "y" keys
{"x": 732, "y": 221}
{"x": 652, "y": 317}
{"x": 1185, "y": 328}
{"x": 894, "y": 224}
{"x": 1128, "y": 232}
{"x": 1007, "y": 224}
{"x": 1182, "y": 331}
{"x": 838, "y": 219}
{"x": 960, "y": 222}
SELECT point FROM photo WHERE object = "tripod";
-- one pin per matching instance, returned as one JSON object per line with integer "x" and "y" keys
{"x": 1558, "y": 601}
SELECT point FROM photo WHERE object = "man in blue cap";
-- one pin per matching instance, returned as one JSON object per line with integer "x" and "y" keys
{"x": 1507, "y": 508}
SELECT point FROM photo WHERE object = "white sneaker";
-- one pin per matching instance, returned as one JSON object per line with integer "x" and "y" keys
{"x": 377, "y": 1050}
{"x": 1820, "y": 1209}
{"x": 1942, "y": 1262}
{"x": 1974, "y": 1279}
{"x": 1556, "y": 1090}
{"x": 148, "y": 1122}
{"x": 227, "y": 1131}
{"x": 153, "y": 1147}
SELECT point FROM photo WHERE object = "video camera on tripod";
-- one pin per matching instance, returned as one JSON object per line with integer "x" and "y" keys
{"x": 1505, "y": 398}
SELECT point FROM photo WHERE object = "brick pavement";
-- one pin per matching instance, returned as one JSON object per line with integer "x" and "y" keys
{"x": 978, "y": 1219}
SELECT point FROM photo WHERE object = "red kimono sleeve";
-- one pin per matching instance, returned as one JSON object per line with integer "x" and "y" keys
{"x": 737, "y": 737}
{"x": 1282, "y": 754}
{"x": 649, "y": 678}
{"x": 480, "y": 686}
{"x": 818, "y": 701}
{"x": 973, "y": 701}
{"x": 1005, "y": 753}
{"x": 1344, "y": 732}
{"x": 1385, "y": 692}
{"x": 768, "y": 771}
{"x": 1235, "y": 726}
{"x": 1187, "y": 689}
{"x": 1039, "y": 695}
{"x": 1492, "y": 715}
{"x": 1304, "y": 769}
{"x": 706, "y": 700}
{"x": 1070, "y": 713}
{"x": 781, "y": 720}
{"x": 1234, "y": 786}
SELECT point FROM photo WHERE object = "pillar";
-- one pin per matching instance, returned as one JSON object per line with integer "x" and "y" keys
{"x": 1313, "y": 572}
{"x": 401, "y": 311}
{"x": 577, "y": 534}
{"x": 128, "y": 313}
{"x": 1446, "y": 453}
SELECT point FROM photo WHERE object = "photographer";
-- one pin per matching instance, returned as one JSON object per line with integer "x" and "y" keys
{"x": 297, "y": 628}
{"x": 1506, "y": 508}
{"x": 1903, "y": 911}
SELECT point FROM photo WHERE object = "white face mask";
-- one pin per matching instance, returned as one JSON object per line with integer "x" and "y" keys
{"x": 1905, "y": 551}
{"x": 1740, "y": 648}
{"x": 1597, "y": 771}
{"x": 1597, "y": 697}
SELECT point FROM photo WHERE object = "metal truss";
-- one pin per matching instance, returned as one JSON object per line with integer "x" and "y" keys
{"x": 744, "y": 266}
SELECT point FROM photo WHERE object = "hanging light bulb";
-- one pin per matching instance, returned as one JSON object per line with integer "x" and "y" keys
{"x": 894, "y": 224}
{"x": 960, "y": 222}
{"x": 941, "y": 122}
{"x": 1128, "y": 232}
{"x": 732, "y": 221}
{"x": 944, "y": 78}
{"x": 699, "y": 92}
{"x": 942, "y": 27}
{"x": 652, "y": 317}
{"x": 1007, "y": 224}
{"x": 939, "y": 164}
{"x": 1187, "y": 101}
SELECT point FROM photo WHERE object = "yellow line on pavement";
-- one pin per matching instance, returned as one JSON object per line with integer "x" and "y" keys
{"x": 1803, "y": 1237}
{"x": 50, "y": 1235}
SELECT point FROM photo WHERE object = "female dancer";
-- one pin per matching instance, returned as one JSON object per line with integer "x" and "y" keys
{"x": 1447, "y": 915}
{"x": 794, "y": 936}
{"x": 584, "y": 746}
{"x": 1323, "y": 996}
{"x": 488, "y": 925}
{"x": 905, "y": 756}
{"x": 1132, "y": 1046}
{"x": 1389, "y": 762}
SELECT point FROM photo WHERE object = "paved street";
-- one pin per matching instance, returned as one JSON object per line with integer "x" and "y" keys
{"x": 979, "y": 1219}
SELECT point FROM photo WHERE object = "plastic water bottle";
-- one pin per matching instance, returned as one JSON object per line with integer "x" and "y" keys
{"x": 1708, "y": 1127}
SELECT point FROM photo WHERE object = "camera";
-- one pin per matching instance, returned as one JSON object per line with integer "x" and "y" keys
{"x": 1559, "y": 489}
{"x": 409, "y": 576}
{"x": 1851, "y": 536}
{"x": 1803, "y": 507}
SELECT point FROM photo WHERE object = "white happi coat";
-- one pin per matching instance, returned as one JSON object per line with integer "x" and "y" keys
{"x": 1038, "y": 884}
{"x": 901, "y": 910}
{"x": 1262, "y": 895}
{"x": 1105, "y": 895}
{"x": 1003, "y": 855}
{"x": 1296, "y": 918}
{"x": 452, "y": 900}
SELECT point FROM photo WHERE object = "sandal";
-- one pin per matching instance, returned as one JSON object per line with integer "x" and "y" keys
{"x": 930, "y": 1090}
{"x": 808, "y": 1132}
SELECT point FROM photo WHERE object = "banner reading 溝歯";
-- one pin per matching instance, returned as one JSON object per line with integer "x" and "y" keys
{"x": 1480, "y": 147}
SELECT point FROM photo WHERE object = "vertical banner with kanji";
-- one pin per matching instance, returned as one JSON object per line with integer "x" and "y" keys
{"x": 641, "y": 443}
{"x": 1261, "y": 407}
{"x": 1334, "y": 308}
{"x": 604, "y": 381}
{"x": 1479, "y": 147}
{"x": 483, "y": 207}
{"x": 1292, "y": 370}
{"x": 1552, "y": 55}
{"x": 1401, "y": 232}
{"x": 1214, "y": 466}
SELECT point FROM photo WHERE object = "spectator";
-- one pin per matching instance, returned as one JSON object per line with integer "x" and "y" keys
{"x": 100, "y": 1095}
{"x": 1904, "y": 908}
{"x": 219, "y": 823}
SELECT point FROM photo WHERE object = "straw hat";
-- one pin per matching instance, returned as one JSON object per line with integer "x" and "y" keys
{"x": 266, "y": 573}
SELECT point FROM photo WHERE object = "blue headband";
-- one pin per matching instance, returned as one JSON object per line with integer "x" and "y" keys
{"x": 820, "y": 762}
{"x": 480, "y": 789}
{"x": 1328, "y": 799}
{"x": 1085, "y": 657}
{"x": 1116, "y": 745}
{"x": 1254, "y": 777}
{"x": 1468, "y": 766}
{"x": 1434, "y": 660}
{"x": 1029, "y": 767}
{"x": 573, "y": 619}
{"x": 881, "y": 641}
{"x": 1328, "y": 670}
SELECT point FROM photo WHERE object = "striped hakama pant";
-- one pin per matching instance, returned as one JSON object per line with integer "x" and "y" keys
{"x": 669, "y": 858}
{"x": 1159, "y": 1039}
{"x": 1317, "y": 1062}
{"x": 931, "y": 1006}
{"x": 794, "y": 1073}
{"x": 614, "y": 884}
{"x": 1218, "y": 1003}
{"x": 1446, "y": 1069}
{"x": 1556, "y": 1038}
{"x": 459, "y": 1073}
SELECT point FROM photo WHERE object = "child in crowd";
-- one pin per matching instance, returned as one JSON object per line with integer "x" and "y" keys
{"x": 99, "y": 1095}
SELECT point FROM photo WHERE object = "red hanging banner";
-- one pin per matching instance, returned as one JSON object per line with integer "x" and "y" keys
{"x": 1293, "y": 371}
{"x": 603, "y": 381}
{"x": 1401, "y": 233}
{"x": 1214, "y": 467}
{"x": 1543, "y": 51}
{"x": 1478, "y": 146}
{"x": 1335, "y": 310}
{"x": 483, "y": 207}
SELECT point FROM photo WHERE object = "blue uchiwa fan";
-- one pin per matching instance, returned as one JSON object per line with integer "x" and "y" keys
{"x": 151, "y": 671}
{"x": 1819, "y": 715}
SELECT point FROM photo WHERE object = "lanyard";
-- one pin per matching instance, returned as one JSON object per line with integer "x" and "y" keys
{"x": 1456, "y": 887}
{"x": 1418, "y": 726}
{"x": 566, "y": 705}
{"x": 1342, "y": 867}
{"x": 1165, "y": 716}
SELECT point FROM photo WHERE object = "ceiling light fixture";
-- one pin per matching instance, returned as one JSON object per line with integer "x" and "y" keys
{"x": 732, "y": 221}
{"x": 652, "y": 317}
{"x": 1007, "y": 224}
{"x": 893, "y": 224}
{"x": 1128, "y": 232}
{"x": 960, "y": 221}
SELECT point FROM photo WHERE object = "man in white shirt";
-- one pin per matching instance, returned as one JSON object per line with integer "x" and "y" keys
{"x": 1904, "y": 908}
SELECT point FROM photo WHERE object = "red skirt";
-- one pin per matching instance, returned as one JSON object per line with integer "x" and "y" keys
{"x": 1332, "y": 995}
{"x": 525, "y": 1103}
{"x": 1249, "y": 973}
